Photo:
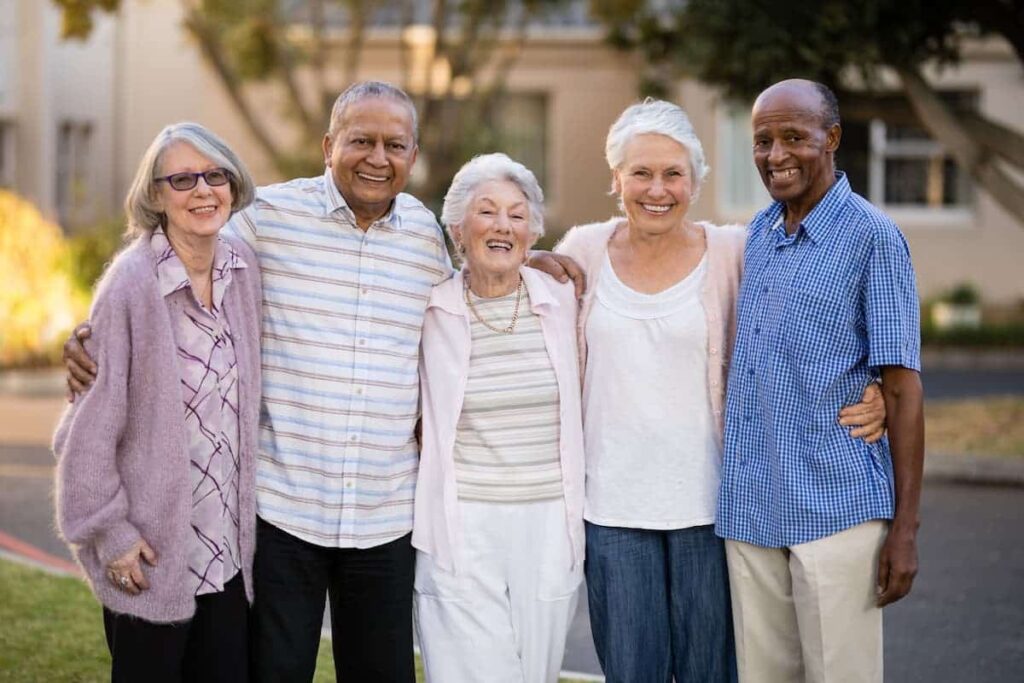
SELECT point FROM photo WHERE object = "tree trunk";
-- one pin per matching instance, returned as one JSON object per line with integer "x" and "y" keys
{"x": 972, "y": 155}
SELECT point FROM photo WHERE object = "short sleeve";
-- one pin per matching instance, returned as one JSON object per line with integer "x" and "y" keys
{"x": 892, "y": 306}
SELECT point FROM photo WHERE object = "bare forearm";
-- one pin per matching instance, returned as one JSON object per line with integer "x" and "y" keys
{"x": 904, "y": 403}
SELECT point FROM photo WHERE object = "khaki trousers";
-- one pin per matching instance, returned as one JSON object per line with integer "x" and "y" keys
{"x": 807, "y": 612}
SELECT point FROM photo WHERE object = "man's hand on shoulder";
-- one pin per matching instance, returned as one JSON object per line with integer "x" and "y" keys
{"x": 81, "y": 370}
{"x": 560, "y": 267}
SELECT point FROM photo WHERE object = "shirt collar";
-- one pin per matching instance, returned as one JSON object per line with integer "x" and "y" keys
{"x": 171, "y": 272}
{"x": 335, "y": 201}
{"x": 822, "y": 220}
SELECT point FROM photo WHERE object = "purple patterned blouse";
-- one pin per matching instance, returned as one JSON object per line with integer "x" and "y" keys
{"x": 209, "y": 390}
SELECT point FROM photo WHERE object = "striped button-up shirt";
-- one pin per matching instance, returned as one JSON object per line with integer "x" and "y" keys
{"x": 819, "y": 313}
{"x": 342, "y": 316}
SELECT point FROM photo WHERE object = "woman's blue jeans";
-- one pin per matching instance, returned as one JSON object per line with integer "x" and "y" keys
{"x": 659, "y": 604}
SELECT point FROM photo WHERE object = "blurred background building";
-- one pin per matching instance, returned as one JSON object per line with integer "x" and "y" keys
{"x": 75, "y": 116}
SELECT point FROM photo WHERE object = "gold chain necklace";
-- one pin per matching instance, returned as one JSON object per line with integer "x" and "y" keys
{"x": 515, "y": 312}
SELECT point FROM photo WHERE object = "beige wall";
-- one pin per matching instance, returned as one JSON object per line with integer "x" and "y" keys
{"x": 143, "y": 73}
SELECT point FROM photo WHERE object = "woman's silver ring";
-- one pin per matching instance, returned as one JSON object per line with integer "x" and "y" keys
{"x": 124, "y": 582}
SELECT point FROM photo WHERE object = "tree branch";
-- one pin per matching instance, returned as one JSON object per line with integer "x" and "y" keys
{"x": 972, "y": 156}
{"x": 210, "y": 46}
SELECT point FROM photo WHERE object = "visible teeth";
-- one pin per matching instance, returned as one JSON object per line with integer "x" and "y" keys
{"x": 374, "y": 178}
{"x": 204, "y": 209}
{"x": 656, "y": 208}
{"x": 497, "y": 244}
{"x": 784, "y": 174}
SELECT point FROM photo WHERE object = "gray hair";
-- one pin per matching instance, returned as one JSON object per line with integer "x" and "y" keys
{"x": 365, "y": 90}
{"x": 661, "y": 118}
{"x": 486, "y": 168}
{"x": 141, "y": 206}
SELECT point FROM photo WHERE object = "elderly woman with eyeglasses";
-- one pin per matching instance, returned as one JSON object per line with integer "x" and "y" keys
{"x": 656, "y": 328}
{"x": 498, "y": 522}
{"x": 155, "y": 475}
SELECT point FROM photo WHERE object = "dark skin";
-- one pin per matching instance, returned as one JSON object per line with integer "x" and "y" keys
{"x": 794, "y": 151}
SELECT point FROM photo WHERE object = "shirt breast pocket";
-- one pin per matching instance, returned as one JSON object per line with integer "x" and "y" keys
{"x": 815, "y": 326}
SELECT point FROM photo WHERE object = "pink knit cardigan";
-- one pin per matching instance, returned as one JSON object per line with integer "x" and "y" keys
{"x": 588, "y": 245}
{"x": 121, "y": 448}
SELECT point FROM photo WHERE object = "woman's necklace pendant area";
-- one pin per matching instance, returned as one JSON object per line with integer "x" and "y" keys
{"x": 511, "y": 327}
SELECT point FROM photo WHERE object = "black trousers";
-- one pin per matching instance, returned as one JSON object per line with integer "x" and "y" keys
{"x": 370, "y": 594}
{"x": 212, "y": 646}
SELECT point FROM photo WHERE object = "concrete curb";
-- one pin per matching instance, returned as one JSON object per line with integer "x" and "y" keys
{"x": 974, "y": 469}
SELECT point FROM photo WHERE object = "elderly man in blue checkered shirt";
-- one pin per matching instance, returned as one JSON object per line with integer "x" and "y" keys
{"x": 820, "y": 527}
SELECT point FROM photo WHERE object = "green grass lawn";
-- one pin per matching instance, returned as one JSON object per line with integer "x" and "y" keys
{"x": 51, "y": 630}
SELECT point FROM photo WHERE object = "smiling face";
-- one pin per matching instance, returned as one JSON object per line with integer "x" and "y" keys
{"x": 197, "y": 213}
{"x": 793, "y": 149}
{"x": 495, "y": 232}
{"x": 654, "y": 183}
{"x": 370, "y": 153}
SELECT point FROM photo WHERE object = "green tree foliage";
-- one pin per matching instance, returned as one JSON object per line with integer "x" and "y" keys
{"x": 742, "y": 46}
{"x": 310, "y": 50}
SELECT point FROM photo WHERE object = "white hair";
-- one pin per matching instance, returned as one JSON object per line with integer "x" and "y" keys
{"x": 660, "y": 118}
{"x": 141, "y": 205}
{"x": 486, "y": 168}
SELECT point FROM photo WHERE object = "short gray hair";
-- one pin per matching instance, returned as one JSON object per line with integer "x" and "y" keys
{"x": 660, "y": 118}
{"x": 486, "y": 168}
{"x": 141, "y": 206}
{"x": 365, "y": 90}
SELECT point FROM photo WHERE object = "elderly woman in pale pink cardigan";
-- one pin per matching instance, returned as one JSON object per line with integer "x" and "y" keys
{"x": 656, "y": 329}
{"x": 155, "y": 474}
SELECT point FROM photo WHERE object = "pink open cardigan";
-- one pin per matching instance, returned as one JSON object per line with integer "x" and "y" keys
{"x": 122, "y": 450}
{"x": 588, "y": 245}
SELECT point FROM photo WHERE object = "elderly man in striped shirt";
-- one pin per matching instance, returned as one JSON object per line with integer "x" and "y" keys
{"x": 820, "y": 527}
{"x": 348, "y": 262}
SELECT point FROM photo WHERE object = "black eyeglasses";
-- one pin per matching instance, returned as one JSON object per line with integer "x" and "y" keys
{"x": 186, "y": 181}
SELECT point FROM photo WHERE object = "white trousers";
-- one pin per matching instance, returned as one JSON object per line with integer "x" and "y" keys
{"x": 505, "y": 616}
{"x": 807, "y": 612}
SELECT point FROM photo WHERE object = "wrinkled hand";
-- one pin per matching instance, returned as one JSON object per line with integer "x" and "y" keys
{"x": 867, "y": 417}
{"x": 560, "y": 267}
{"x": 126, "y": 571}
{"x": 81, "y": 370}
{"x": 897, "y": 566}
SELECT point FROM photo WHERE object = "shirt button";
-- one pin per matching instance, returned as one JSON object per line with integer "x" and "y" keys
{"x": 365, "y": 290}
{"x": 765, "y": 289}
{"x": 714, "y": 382}
{"x": 359, "y": 391}
{"x": 714, "y": 351}
{"x": 362, "y": 342}
{"x": 349, "y": 484}
{"x": 750, "y": 371}
{"x": 757, "y": 330}
{"x": 354, "y": 437}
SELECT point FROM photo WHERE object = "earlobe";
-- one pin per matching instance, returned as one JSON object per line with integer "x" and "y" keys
{"x": 327, "y": 150}
{"x": 835, "y": 134}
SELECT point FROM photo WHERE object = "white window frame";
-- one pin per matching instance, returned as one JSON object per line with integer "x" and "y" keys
{"x": 729, "y": 126}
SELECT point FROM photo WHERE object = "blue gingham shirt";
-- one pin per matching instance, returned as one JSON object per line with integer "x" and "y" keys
{"x": 819, "y": 313}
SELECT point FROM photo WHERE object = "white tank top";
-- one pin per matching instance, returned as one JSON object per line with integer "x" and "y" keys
{"x": 651, "y": 456}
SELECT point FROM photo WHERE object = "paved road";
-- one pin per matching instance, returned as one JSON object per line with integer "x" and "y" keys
{"x": 964, "y": 621}
{"x": 944, "y": 384}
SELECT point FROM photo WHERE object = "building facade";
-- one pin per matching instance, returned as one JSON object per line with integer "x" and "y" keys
{"x": 75, "y": 118}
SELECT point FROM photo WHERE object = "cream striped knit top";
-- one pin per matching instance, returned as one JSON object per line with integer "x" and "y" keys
{"x": 506, "y": 442}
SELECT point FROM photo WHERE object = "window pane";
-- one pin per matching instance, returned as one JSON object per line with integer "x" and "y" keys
{"x": 853, "y": 155}
{"x": 906, "y": 181}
